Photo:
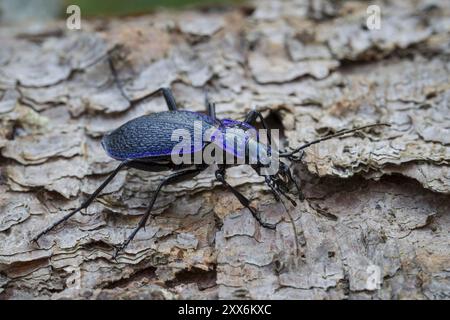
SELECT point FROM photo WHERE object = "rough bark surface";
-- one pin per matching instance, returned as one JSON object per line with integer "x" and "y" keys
{"x": 377, "y": 202}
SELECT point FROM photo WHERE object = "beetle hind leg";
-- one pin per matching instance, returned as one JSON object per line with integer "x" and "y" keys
{"x": 175, "y": 177}
{"x": 85, "y": 203}
{"x": 168, "y": 97}
{"x": 167, "y": 92}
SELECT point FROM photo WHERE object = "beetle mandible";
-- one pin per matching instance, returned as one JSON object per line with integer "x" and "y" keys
{"x": 145, "y": 143}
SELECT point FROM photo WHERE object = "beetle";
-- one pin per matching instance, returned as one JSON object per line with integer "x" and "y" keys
{"x": 145, "y": 143}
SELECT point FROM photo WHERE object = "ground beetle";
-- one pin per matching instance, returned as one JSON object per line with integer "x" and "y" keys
{"x": 145, "y": 143}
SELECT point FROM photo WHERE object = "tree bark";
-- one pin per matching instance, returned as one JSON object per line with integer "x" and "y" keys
{"x": 376, "y": 220}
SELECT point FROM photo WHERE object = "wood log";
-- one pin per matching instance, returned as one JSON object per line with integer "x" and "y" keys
{"x": 375, "y": 223}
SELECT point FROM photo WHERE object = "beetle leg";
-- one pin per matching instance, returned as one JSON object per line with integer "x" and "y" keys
{"x": 168, "y": 97}
{"x": 167, "y": 92}
{"x": 212, "y": 110}
{"x": 175, "y": 177}
{"x": 284, "y": 193}
{"x": 210, "y": 107}
{"x": 220, "y": 176}
{"x": 269, "y": 182}
{"x": 275, "y": 193}
{"x": 251, "y": 119}
{"x": 301, "y": 196}
{"x": 116, "y": 76}
{"x": 287, "y": 171}
{"x": 85, "y": 203}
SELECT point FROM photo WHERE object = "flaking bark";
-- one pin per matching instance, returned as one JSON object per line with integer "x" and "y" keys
{"x": 377, "y": 202}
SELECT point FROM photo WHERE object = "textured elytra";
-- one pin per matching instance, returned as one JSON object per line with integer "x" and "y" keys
{"x": 156, "y": 134}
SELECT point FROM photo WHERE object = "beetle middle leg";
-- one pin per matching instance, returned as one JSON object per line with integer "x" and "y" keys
{"x": 85, "y": 203}
{"x": 210, "y": 107}
{"x": 175, "y": 177}
{"x": 286, "y": 171}
{"x": 220, "y": 176}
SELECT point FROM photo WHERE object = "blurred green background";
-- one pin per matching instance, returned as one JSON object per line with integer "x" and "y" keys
{"x": 121, "y": 7}
{"x": 24, "y": 11}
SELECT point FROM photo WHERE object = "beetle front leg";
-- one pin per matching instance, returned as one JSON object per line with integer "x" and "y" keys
{"x": 251, "y": 120}
{"x": 220, "y": 176}
{"x": 287, "y": 172}
{"x": 251, "y": 117}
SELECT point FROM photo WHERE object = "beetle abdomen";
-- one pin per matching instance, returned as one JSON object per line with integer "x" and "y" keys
{"x": 151, "y": 135}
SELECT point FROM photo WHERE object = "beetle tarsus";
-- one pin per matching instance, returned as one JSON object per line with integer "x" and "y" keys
{"x": 257, "y": 216}
{"x": 58, "y": 222}
{"x": 36, "y": 238}
{"x": 117, "y": 250}
{"x": 220, "y": 176}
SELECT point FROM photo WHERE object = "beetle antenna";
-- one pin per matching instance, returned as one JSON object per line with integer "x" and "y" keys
{"x": 338, "y": 134}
